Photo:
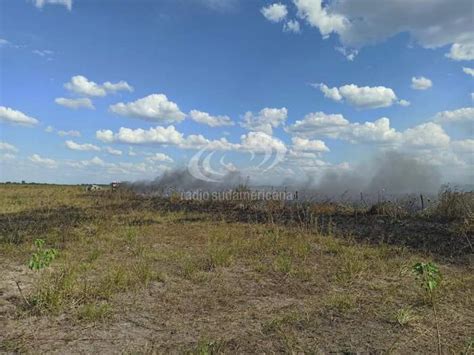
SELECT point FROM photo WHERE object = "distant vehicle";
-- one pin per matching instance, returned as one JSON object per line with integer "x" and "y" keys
{"x": 93, "y": 188}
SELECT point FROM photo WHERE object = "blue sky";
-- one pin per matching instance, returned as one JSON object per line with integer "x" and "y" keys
{"x": 247, "y": 78}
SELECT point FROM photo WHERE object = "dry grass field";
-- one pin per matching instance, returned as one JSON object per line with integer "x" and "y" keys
{"x": 136, "y": 277}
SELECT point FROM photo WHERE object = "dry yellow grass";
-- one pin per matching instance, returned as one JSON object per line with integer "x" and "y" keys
{"x": 134, "y": 279}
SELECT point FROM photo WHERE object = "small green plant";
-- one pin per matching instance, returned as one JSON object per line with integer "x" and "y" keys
{"x": 405, "y": 316}
{"x": 430, "y": 277}
{"x": 42, "y": 257}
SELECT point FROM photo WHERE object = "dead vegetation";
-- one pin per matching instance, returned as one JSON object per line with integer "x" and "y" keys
{"x": 149, "y": 275}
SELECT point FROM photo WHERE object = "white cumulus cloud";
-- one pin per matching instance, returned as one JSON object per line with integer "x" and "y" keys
{"x": 306, "y": 145}
{"x": 468, "y": 71}
{"x": 292, "y": 26}
{"x": 274, "y": 12}
{"x": 430, "y": 23}
{"x": 41, "y": 3}
{"x": 380, "y": 132}
{"x": 71, "y": 133}
{"x": 213, "y": 121}
{"x": 461, "y": 51}
{"x": 421, "y": 83}
{"x": 75, "y": 104}
{"x": 80, "y": 85}
{"x": 316, "y": 15}
{"x": 265, "y": 120}
{"x": 113, "y": 151}
{"x": 261, "y": 142}
{"x": 160, "y": 157}
{"x": 8, "y": 147}
{"x": 16, "y": 117}
{"x": 155, "y": 108}
{"x": 365, "y": 97}
{"x": 463, "y": 117}
{"x": 46, "y": 162}
{"x": 81, "y": 147}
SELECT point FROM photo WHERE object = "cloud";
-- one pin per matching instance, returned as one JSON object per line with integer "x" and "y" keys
{"x": 71, "y": 133}
{"x": 463, "y": 117}
{"x": 306, "y": 145}
{"x": 16, "y": 117}
{"x": 113, "y": 151}
{"x": 274, "y": 12}
{"x": 7, "y": 156}
{"x": 404, "y": 103}
{"x": 260, "y": 142}
{"x": 350, "y": 54}
{"x": 160, "y": 157}
{"x": 319, "y": 124}
{"x": 99, "y": 166}
{"x": 430, "y": 23}
{"x": 421, "y": 83}
{"x": 94, "y": 162}
{"x": 169, "y": 136}
{"x": 380, "y": 132}
{"x": 266, "y": 120}
{"x": 79, "y": 84}
{"x": 105, "y": 135}
{"x": 330, "y": 93}
{"x": 318, "y": 16}
{"x": 155, "y": 108}
{"x": 161, "y": 136}
{"x": 45, "y": 53}
{"x": 75, "y": 103}
{"x": 81, "y": 147}
{"x": 292, "y": 26}
{"x": 217, "y": 5}
{"x": 361, "y": 97}
{"x": 463, "y": 146}
{"x": 425, "y": 135}
{"x": 468, "y": 71}
{"x": 41, "y": 3}
{"x": 154, "y": 135}
{"x": 461, "y": 51}
{"x": 114, "y": 87}
{"x": 213, "y": 121}
{"x": 46, "y": 162}
{"x": 8, "y": 147}
{"x": 4, "y": 42}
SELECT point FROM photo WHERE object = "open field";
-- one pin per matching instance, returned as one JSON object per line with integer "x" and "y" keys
{"x": 148, "y": 275}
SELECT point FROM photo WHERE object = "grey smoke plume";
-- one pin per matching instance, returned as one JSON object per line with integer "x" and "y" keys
{"x": 391, "y": 173}
{"x": 400, "y": 174}
{"x": 182, "y": 180}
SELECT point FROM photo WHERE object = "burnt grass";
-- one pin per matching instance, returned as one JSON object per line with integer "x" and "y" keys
{"x": 443, "y": 237}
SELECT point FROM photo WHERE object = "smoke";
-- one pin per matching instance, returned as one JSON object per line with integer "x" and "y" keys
{"x": 182, "y": 180}
{"x": 391, "y": 173}
{"x": 400, "y": 174}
